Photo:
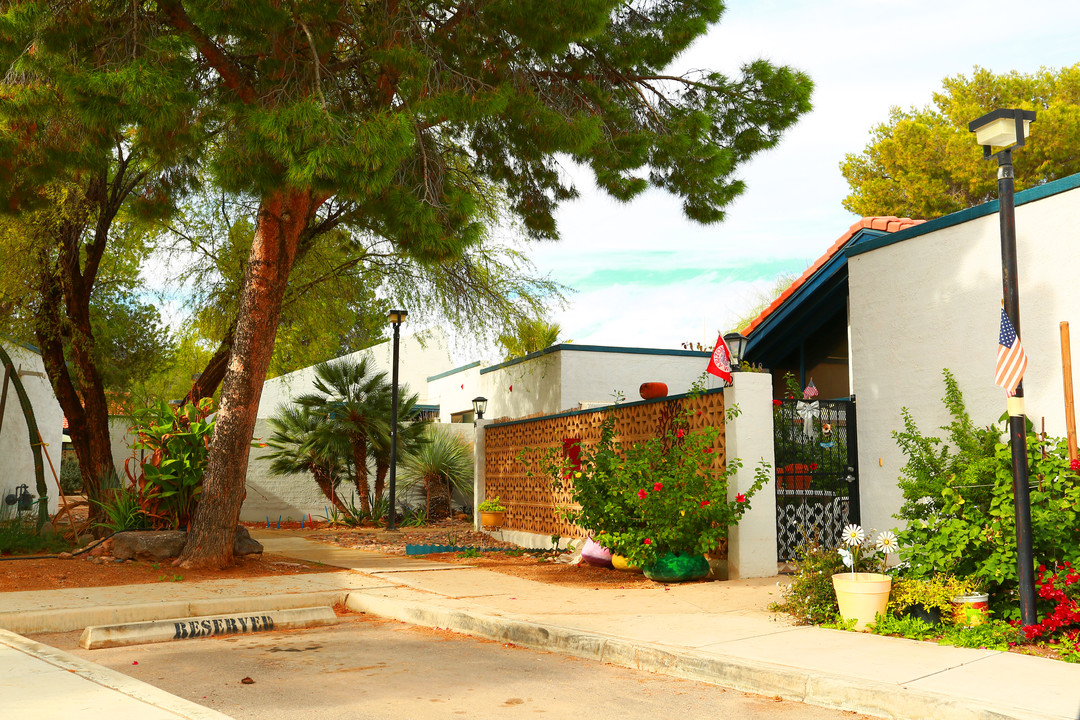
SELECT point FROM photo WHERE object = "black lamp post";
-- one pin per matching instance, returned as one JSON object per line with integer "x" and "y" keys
{"x": 736, "y": 343}
{"x": 999, "y": 132}
{"x": 479, "y": 406}
{"x": 396, "y": 317}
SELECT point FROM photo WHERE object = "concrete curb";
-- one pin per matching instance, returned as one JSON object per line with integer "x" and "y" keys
{"x": 110, "y": 679}
{"x": 814, "y": 688}
{"x": 67, "y": 619}
{"x": 158, "y": 631}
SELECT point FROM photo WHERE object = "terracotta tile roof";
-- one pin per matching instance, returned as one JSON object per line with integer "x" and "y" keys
{"x": 886, "y": 224}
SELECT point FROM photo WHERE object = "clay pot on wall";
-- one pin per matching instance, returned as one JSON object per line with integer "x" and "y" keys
{"x": 652, "y": 390}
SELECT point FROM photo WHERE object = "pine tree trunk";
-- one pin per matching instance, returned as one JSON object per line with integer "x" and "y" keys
{"x": 283, "y": 215}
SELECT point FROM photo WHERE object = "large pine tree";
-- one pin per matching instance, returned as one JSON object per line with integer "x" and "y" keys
{"x": 404, "y": 108}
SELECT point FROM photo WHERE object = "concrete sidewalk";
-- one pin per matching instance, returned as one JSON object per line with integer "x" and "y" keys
{"x": 717, "y": 632}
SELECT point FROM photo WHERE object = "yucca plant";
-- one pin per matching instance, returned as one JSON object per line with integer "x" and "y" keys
{"x": 442, "y": 464}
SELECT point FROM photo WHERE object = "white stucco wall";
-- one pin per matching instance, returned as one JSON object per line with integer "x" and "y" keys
{"x": 419, "y": 357}
{"x": 597, "y": 376}
{"x": 454, "y": 392}
{"x": 16, "y": 456}
{"x": 932, "y": 302}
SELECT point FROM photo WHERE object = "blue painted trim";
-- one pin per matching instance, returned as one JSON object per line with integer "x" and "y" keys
{"x": 1040, "y": 192}
{"x": 605, "y": 408}
{"x": 24, "y": 346}
{"x": 597, "y": 348}
{"x": 831, "y": 270}
{"x": 455, "y": 370}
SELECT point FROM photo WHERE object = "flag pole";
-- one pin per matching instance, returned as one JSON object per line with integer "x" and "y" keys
{"x": 1066, "y": 370}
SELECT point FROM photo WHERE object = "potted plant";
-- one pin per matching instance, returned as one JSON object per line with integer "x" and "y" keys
{"x": 661, "y": 504}
{"x": 863, "y": 593}
{"x": 492, "y": 513}
{"x": 928, "y": 599}
{"x": 971, "y": 606}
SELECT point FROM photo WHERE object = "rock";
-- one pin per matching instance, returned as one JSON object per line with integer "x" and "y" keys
{"x": 244, "y": 544}
{"x": 108, "y": 559}
{"x": 107, "y": 545}
{"x": 65, "y": 556}
{"x": 148, "y": 544}
{"x": 48, "y": 530}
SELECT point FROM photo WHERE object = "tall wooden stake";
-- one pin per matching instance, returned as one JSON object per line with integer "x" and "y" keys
{"x": 1066, "y": 369}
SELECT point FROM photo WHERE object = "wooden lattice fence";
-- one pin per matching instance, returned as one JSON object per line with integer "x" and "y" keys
{"x": 514, "y": 449}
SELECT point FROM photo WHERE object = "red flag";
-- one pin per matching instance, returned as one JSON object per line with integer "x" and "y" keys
{"x": 720, "y": 362}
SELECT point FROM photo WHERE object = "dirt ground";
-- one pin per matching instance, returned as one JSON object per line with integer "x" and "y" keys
{"x": 18, "y": 574}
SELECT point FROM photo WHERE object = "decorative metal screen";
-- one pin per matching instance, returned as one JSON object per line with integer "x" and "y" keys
{"x": 515, "y": 448}
{"x": 817, "y": 486}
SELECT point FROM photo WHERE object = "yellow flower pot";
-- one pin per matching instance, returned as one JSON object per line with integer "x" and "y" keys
{"x": 619, "y": 562}
{"x": 862, "y": 596}
{"x": 492, "y": 520}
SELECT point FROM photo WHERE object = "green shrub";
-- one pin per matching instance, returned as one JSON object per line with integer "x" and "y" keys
{"x": 959, "y": 504}
{"x": 19, "y": 534}
{"x": 123, "y": 511}
{"x": 931, "y": 592}
{"x": 70, "y": 476}
{"x": 908, "y": 627}
{"x": 809, "y": 598}
{"x": 992, "y": 635}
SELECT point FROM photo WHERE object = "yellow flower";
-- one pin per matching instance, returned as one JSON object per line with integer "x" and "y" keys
{"x": 577, "y": 475}
{"x": 683, "y": 513}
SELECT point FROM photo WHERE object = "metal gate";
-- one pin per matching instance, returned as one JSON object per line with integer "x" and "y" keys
{"x": 817, "y": 478}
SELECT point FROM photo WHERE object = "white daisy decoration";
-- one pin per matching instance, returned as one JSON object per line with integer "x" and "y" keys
{"x": 887, "y": 541}
{"x": 852, "y": 535}
{"x": 845, "y": 555}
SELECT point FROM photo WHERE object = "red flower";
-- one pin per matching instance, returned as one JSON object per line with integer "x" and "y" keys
{"x": 778, "y": 403}
{"x": 813, "y": 467}
{"x": 658, "y": 487}
{"x": 740, "y": 498}
{"x": 648, "y": 541}
{"x": 700, "y": 413}
{"x": 704, "y": 503}
{"x": 707, "y": 450}
{"x": 1075, "y": 465}
{"x": 641, "y": 494}
{"x": 679, "y": 433}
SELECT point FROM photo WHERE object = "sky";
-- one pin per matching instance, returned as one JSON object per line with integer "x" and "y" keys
{"x": 645, "y": 276}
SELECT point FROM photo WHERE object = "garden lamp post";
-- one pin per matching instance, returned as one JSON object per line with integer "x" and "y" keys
{"x": 479, "y": 406}
{"x": 736, "y": 343}
{"x": 396, "y": 317}
{"x": 999, "y": 132}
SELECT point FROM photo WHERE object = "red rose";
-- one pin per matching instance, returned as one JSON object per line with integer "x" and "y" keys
{"x": 658, "y": 487}
{"x": 1075, "y": 464}
{"x": 648, "y": 541}
{"x": 641, "y": 494}
{"x": 740, "y": 498}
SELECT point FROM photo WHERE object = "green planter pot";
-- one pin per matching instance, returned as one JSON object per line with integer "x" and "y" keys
{"x": 677, "y": 567}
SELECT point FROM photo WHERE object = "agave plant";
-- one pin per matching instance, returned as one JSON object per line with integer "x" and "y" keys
{"x": 443, "y": 463}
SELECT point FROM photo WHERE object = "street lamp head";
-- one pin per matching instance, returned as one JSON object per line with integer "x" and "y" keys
{"x": 736, "y": 343}
{"x": 396, "y": 317}
{"x": 479, "y": 406}
{"x": 1002, "y": 129}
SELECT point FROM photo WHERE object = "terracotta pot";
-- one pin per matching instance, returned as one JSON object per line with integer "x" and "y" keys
{"x": 619, "y": 562}
{"x": 596, "y": 554}
{"x": 490, "y": 519}
{"x": 677, "y": 567}
{"x": 652, "y": 390}
{"x": 862, "y": 596}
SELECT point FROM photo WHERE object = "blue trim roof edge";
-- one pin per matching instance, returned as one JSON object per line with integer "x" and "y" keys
{"x": 596, "y": 348}
{"x": 1023, "y": 197}
{"x": 455, "y": 370}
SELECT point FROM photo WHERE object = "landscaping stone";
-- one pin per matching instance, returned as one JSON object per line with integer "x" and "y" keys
{"x": 244, "y": 544}
{"x": 148, "y": 544}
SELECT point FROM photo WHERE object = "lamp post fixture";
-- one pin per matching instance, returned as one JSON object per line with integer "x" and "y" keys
{"x": 736, "y": 343}
{"x": 479, "y": 406}
{"x": 999, "y": 132}
{"x": 396, "y": 317}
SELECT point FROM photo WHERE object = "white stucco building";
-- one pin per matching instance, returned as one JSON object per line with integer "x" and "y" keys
{"x": 16, "y": 454}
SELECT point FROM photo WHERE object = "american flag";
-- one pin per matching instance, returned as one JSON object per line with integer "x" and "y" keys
{"x": 810, "y": 391}
{"x": 1011, "y": 358}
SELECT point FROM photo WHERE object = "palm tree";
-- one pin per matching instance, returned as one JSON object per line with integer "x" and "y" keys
{"x": 304, "y": 441}
{"x": 353, "y": 399}
{"x": 528, "y": 336}
{"x": 410, "y": 434}
{"x": 443, "y": 464}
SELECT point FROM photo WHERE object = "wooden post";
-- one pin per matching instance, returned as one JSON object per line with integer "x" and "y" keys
{"x": 1066, "y": 367}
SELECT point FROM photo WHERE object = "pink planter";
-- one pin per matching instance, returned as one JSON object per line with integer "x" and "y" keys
{"x": 595, "y": 554}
